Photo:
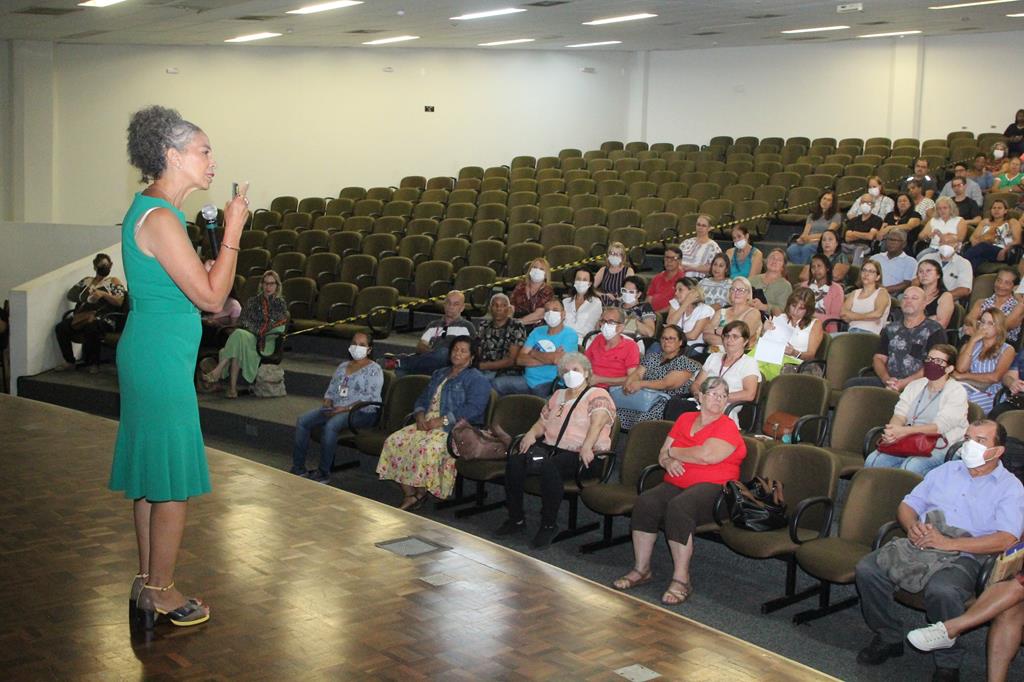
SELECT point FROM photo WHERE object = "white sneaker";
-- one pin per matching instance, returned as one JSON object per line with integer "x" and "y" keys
{"x": 931, "y": 638}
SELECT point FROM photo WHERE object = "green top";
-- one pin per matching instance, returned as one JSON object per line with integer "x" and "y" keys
{"x": 153, "y": 290}
{"x": 1004, "y": 181}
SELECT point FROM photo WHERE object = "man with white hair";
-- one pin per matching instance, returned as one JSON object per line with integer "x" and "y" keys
{"x": 432, "y": 349}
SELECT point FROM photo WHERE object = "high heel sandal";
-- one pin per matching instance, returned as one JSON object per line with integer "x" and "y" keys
{"x": 133, "y": 596}
{"x": 192, "y": 612}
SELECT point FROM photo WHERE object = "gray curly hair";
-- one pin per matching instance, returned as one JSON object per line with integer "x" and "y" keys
{"x": 151, "y": 132}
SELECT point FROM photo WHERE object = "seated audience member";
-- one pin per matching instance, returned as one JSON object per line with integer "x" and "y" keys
{"x": 966, "y": 207}
{"x": 664, "y": 373}
{"x": 898, "y": 268}
{"x": 263, "y": 318}
{"x": 772, "y": 283}
{"x": 608, "y": 280}
{"x": 432, "y": 348}
{"x": 1014, "y": 135}
{"x": 539, "y": 356}
{"x": 1002, "y": 299}
{"x": 689, "y": 312}
{"x": 640, "y": 318}
{"x": 928, "y": 185}
{"x": 697, "y": 252}
{"x": 500, "y": 338}
{"x": 957, "y": 273}
{"x": 740, "y": 310}
{"x": 532, "y": 292}
{"x": 866, "y": 309}
{"x": 938, "y": 302}
{"x": 934, "y": 404}
{"x": 586, "y": 412}
{"x": 94, "y": 299}
{"x": 924, "y": 205}
{"x": 216, "y": 324}
{"x": 984, "y": 358}
{"x": 583, "y": 307}
{"x": 997, "y": 161}
{"x": 903, "y": 345}
{"x": 798, "y": 327}
{"x": 881, "y": 205}
{"x": 355, "y": 381}
{"x": 904, "y": 218}
{"x": 1013, "y": 382}
{"x": 716, "y": 285}
{"x": 702, "y": 452}
{"x": 612, "y": 356}
{"x": 971, "y": 188}
{"x": 861, "y": 231}
{"x": 823, "y": 217}
{"x": 416, "y": 456}
{"x": 745, "y": 259}
{"x": 944, "y": 221}
{"x": 1003, "y": 604}
{"x": 1010, "y": 179}
{"x": 830, "y": 248}
{"x": 828, "y": 295}
{"x": 663, "y": 285}
{"x": 992, "y": 240}
{"x": 980, "y": 173}
{"x": 982, "y": 512}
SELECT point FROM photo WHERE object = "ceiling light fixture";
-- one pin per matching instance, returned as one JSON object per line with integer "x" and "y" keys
{"x": 891, "y": 34}
{"x": 971, "y": 4}
{"x": 99, "y": 3}
{"x": 1019, "y": 14}
{"x": 396, "y": 39}
{"x": 814, "y": 30}
{"x": 324, "y": 7}
{"x": 506, "y": 42}
{"x": 615, "y": 20}
{"x": 484, "y": 15}
{"x": 252, "y": 36}
{"x": 603, "y": 42}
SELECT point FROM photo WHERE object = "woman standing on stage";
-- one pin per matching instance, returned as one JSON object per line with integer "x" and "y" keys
{"x": 159, "y": 459}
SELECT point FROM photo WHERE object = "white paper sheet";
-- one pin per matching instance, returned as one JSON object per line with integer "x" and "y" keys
{"x": 770, "y": 349}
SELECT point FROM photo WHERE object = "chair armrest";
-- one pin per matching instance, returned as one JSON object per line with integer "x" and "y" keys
{"x": 953, "y": 450}
{"x": 293, "y": 272}
{"x": 646, "y": 473}
{"x": 386, "y": 254}
{"x": 402, "y": 284}
{"x": 867, "y": 372}
{"x": 299, "y": 309}
{"x": 870, "y": 439}
{"x": 985, "y": 573}
{"x": 738, "y": 407}
{"x": 360, "y": 406}
{"x": 806, "y": 366}
{"x": 716, "y": 509}
{"x": 822, "y": 428}
{"x": 607, "y": 464}
{"x": 884, "y": 532}
{"x": 365, "y": 280}
{"x": 792, "y": 239}
{"x": 278, "y": 346}
{"x": 841, "y": 325}
{"x": 384, "y": 327}
{"x": 439, "y": 287}
{"x": 339, "y": 311}
{"x": 794, "y": 521}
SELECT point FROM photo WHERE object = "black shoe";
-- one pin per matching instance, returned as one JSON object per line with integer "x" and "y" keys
{"x": 946, "y": 675}
{"x": 879, "y": 652}
{"x": 544, "y": 537}
{"x": 318, "y": 476}
{"x": 298, "y": 471}
{"x": 511, "y": 527}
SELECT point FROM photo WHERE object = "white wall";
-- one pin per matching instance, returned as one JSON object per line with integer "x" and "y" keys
{"x": 6, "y": 132}
{"x": 33, "y": 249}
{"x": 309, "y": 121}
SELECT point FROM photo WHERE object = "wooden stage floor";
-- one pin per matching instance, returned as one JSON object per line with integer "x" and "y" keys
{"x": 298, "y": 588}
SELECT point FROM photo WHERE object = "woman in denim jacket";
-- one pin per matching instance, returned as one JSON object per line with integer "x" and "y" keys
{"x": 417, "y": 455}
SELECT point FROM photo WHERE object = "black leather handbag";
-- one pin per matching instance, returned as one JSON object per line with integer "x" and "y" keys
{"x": 756, "y": 505}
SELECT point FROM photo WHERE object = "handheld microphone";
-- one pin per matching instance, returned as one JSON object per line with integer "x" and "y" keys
{"x": 210, "y": 214}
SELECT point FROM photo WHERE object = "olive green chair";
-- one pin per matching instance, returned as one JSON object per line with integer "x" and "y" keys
{"x": 860, "y": 409}
{"x": 399, "y": 401}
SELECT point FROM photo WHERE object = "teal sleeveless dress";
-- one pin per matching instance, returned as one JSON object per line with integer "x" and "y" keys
{"x": 159, "y": 453}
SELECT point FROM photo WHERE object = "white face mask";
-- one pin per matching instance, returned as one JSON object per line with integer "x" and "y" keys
{"x": 615, "y": 261}
{"x": 740, "y": 244}
{"x": 997, "y": 154}
{"x": 674, "y": 304}
{"x": 874, "y": 191}
{"x": 609, "y": 330}
{"x": 946, "y": 251}
{"x": 358, "y": 352}
{"x": 865, "y": 209}
{"x": 553, "y": 318}
{"x": 537, "y": 275}
{"x": 581, "y": 286}
{"x": 629, "y": 297}
{"x": 973, "y": 454}
{"x": 573, "y": 379}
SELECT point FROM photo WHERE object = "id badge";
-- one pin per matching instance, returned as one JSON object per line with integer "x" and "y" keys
{"x": 343, "y": 392}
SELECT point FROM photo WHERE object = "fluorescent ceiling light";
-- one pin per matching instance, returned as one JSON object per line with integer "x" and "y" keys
{"x": 603, "y": 42}
{"x": 971, "y": 4}
{"x": 506, "y": 42}
{"x": 99, "y": 3}
{"x": 252, "y": 36}
{"x": 396, "y": 39}
{"x": 615, "y": 20}
{"x": 889, "y": 35}
{"x": 1019, "y": 14}
{"x": 484, "y": 15}
{"x": 324, "y": 7}
{"x": 814, "y": 30}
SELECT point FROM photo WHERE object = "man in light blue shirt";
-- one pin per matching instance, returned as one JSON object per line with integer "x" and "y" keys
{"x": 539, "y": 357}
{"x": 971, "y": 188}
{"x": 976, "y": 494}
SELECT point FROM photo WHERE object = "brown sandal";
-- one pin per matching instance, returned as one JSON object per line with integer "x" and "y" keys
{"x": 627, "y": 583}
{"x": 675, "y": 597}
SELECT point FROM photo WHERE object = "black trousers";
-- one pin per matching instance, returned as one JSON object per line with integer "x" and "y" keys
{"x": 91, "y": 336}
{"x": 552, "y": 470}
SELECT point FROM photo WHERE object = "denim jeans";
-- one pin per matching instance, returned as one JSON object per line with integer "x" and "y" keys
{"x": 919, "y": 465}
{"x": 423, "y": 363}
{"x": 800, "y": 254}
{"x": 329, "y": 438}
{"x": 509, "y": 384}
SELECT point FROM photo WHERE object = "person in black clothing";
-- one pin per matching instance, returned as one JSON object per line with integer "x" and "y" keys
{"x": 967, "y": 208}
{"x": 94, "y": 298}
{"x": 1015, "y": 135}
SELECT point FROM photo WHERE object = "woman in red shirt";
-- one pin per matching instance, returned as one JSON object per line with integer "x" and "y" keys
{"x": 702, "y": 451}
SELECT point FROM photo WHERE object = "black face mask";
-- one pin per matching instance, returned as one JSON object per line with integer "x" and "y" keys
{"x": 102, "y": 270}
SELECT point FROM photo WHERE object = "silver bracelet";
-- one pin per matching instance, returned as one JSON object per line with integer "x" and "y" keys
{"x": 228, "y": 246}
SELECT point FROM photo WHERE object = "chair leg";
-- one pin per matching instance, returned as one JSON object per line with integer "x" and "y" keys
{"x": 479, "y": 506}
{"x": 574, "y": 528}
{"x": 791, "y": 596}
{"x": 459, "y": 497}
{"x": 824, "y": 607}
{"x": 607, "y": 539}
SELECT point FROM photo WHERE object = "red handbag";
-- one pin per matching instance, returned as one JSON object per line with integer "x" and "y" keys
{"x": 914, "y": 445}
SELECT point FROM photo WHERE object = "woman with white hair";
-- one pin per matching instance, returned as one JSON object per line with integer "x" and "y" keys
{"x": 500, "y": 337}
{"x": 946, "y": 220}
{"x": 575, "y": 424}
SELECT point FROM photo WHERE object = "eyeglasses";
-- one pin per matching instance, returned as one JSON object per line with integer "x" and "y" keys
{"x": 605, "y": 321}
{"x": 670, "y": 337}
{"x": 732, "y": 335}
{"x": 671, "y": 257}
{"x": 941, "y": 362}
{"x": 269, "y": 282}
{"x": 717, "y": 395}
{"x": 739, "y": 290}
